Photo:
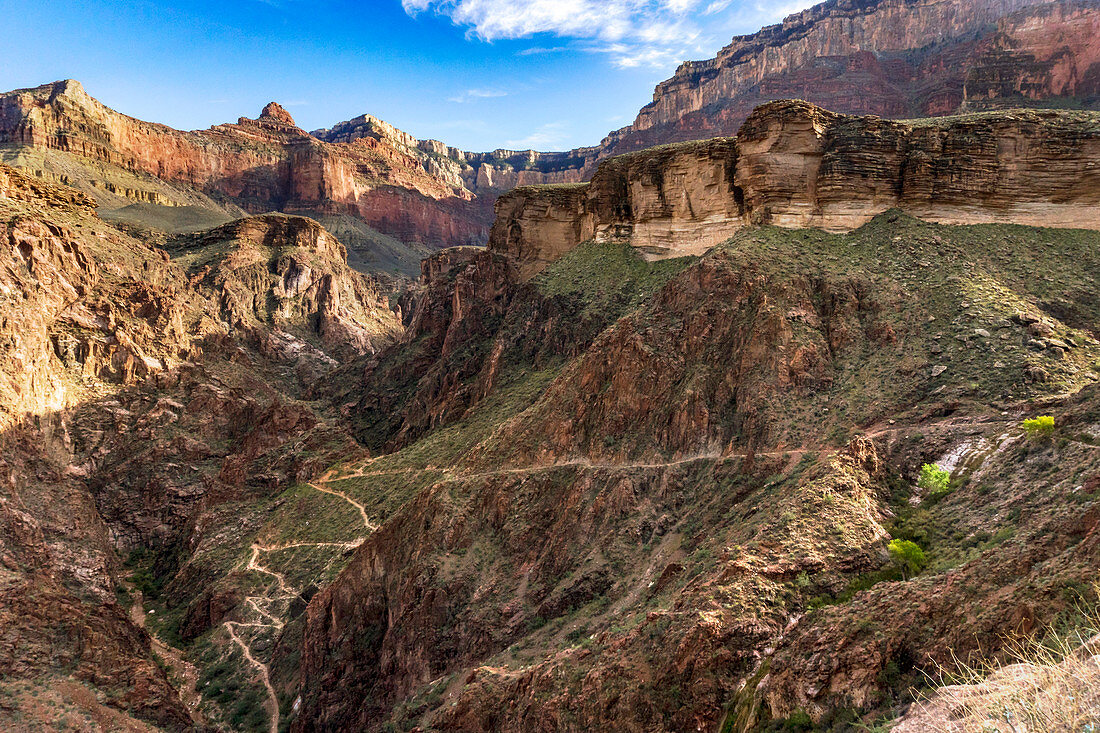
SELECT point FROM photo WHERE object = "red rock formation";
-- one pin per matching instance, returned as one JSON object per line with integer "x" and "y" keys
{"x": 891, "y": 58}
{"x": 632, "y": 549}
{"x": 261, "y": 164}
{"x": 417, "y": 191}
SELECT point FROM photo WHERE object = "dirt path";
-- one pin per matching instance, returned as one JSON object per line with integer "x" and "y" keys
{"x": 362, "y": 511}
{"x": 185, "y": 676}
{"x": 253, "y": 564}
{"x": 265, "y": 675}
{"x": 795, "y": 454}
{"x": 265, "y": 608}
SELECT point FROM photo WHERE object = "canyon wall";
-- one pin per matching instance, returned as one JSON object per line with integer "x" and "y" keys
{"x": 893, "y": 58}
{"x": 419, "y": 192}
{"x": 794, "y": 165}
{"x": 259, "y": 165}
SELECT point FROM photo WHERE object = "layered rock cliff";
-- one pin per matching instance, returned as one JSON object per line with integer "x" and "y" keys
{"x": 793, "y": 164}
{"x": 418, "y": 192}
{"x": 259, "y": 165}
{"x": 892, "y": 58}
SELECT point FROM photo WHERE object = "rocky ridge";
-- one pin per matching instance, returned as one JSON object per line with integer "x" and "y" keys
{"x": 796, "y": 165}
{"x": 134, "y": 400}
{"x": 421, "y": 193}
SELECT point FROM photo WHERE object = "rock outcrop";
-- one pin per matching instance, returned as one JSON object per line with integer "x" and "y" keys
{"x": 420, "y": 192}
{"x": 286, "y": 273}
{"x": 793, "y": 164}
{"x": 892, "y": 58}
{"x": 137, "y": 392}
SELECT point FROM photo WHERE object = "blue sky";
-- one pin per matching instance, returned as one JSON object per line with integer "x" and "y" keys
{"x": 477, "y": 74}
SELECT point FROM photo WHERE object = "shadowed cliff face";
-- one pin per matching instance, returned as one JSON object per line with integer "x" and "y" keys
{"x": 139, "y": 394}
{"x": 793, "y": 164}
{"x": 891, "y": 58}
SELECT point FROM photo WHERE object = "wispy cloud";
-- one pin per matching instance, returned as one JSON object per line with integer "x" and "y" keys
{"x": 632, "y": 33}
{"x": 551, "y": 136}
{"x": 472, "y": 95}
{"x": 541, "y": 50}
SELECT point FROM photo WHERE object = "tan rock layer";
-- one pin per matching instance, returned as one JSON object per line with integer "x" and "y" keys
{"x": 875, "y": 57}
{"x": 796, "y": 165}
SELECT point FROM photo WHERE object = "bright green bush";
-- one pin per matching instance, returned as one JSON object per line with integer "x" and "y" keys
{"x": 934, "y": 479}
{"x": 1039, "y": 428}
{"x": 908, "y": 556}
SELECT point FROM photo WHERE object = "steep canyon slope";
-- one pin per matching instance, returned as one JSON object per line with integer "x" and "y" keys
{"x": 659, "y": 495}
{"x": 140, "y": 393}
{"x": 635, "y": 466}
{"x": 642, "y": 495}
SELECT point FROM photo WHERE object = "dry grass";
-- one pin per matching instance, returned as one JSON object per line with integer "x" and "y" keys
{"x": 1053, "y": 685}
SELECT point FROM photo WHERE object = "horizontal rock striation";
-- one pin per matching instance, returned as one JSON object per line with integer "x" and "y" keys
{"x": 794, "y": 164}
{"x": 262, "y": 164}
{"x": 418, "y": 191}
{"x": 894, "y": 58}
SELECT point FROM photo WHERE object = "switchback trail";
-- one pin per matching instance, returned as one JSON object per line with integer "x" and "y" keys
{"x": 265, "y": 675}
{"x": 362, "y": 510}
{"x": 266, "y": 610}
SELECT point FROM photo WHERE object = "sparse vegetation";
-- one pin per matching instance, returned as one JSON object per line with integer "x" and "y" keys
{"x": 935, "y": 480}
{"x": 1039, "y": 429}
{"x": 608, "y": 278}
{"x": 908, "y": 556}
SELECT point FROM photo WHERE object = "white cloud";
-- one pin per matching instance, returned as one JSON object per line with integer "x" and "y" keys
{"x": 542, "y": 50}
{"x": 550, "y": 136}
{"x": 633, "y": 33}
{"x": 472, "y": 95}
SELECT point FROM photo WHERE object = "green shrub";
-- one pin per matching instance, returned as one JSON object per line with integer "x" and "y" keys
{"x": 935, "y": 480}
{"x": 1039, "y": 428}
{"x": 908, "y": 556}
{"x": 799, "y": 720}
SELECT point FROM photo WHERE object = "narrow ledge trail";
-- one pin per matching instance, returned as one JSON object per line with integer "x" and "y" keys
{"x": 265, "y": 675}
{"x": 284, "y": 593}
{"x": 370, "y": 527}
